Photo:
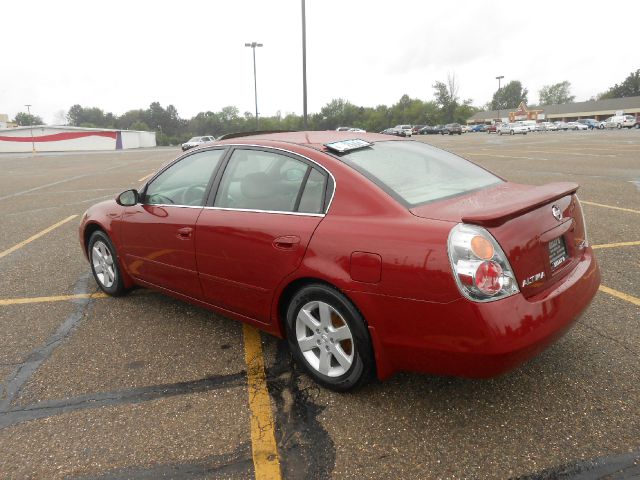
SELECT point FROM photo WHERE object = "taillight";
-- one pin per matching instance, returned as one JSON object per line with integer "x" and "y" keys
{"x": 479, "y": 265}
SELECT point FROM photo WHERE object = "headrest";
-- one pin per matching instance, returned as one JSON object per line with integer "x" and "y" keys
{"x": 257, "y": 185}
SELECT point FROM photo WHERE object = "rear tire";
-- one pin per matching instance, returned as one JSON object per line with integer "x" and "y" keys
{"x": 329, "y": 339}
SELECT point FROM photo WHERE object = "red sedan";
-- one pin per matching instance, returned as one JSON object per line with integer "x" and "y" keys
{"x": 371, "y": 254}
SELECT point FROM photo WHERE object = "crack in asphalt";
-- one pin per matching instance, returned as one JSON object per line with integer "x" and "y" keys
{"x": 49, "y": 408}
{"x": 613, "y": 467}
{"x": 237, "y": 464}
{"x": 306, "y": 449}
{"x": 614, "y": 340}
{"x": 10, "y": 389}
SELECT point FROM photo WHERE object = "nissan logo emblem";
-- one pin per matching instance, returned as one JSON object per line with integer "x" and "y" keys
{"x": 557, "y": 213}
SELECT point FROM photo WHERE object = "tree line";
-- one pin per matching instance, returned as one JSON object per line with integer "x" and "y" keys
{"x": 445, "y": 107}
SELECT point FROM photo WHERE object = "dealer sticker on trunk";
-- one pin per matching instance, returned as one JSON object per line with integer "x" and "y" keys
{"x": 557, "y": 252}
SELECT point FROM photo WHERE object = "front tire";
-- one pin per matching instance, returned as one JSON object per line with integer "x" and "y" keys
{"x": 329, "y": 338}
{"x": 104, "y": 264}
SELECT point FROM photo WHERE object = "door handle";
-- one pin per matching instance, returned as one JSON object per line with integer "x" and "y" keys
{"x": 288, "y": 242}
{"x": 185, "y": 233}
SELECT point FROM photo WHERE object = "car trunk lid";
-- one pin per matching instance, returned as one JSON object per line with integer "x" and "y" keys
{"x": 540, "y": 229}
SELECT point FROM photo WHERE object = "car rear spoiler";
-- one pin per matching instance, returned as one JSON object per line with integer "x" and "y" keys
{"x": 522, "y": 202}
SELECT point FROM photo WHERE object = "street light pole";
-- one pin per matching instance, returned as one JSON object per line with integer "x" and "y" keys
{"x": 33, "y": 145}
{"x": 304, "y": 67}
{"x": 253, "y": 45}
{"x": 499, "y": 105}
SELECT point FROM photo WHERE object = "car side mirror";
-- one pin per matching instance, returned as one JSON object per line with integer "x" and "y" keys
{"x": 128, "y": 198}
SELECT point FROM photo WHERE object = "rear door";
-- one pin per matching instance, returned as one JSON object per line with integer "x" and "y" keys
{"x": 158, "y": 234}
{"x": 256, "y": 231}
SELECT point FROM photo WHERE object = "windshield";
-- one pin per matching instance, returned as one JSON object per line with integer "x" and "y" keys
{"x": 415, "y": 173}
{"x": 194, "y": 139}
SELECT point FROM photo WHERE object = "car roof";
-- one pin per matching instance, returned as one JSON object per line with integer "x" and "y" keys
{"x": 313, "y": 139}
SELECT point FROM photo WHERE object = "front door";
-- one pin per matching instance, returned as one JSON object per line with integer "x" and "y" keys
{"x": 265, "y": 211}
{"x": 158, "y": 234}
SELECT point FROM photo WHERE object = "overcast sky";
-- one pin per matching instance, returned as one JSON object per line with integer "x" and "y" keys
{"x": 123, "y": 55}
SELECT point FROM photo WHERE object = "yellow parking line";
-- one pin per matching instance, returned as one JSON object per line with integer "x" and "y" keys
{"x": 616, "y": 245}
{"x": 145, "y": 177}
{"x": 36, "y": 236}
{"x": 57, "y": 298}
{"x": 610, "y": 206}
{"x": 620, "y": 295}
{"x": 263, "y": 441}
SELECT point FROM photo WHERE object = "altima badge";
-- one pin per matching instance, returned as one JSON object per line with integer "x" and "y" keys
{"x": 557, "y": 213}
{"x": 532, "y": 279}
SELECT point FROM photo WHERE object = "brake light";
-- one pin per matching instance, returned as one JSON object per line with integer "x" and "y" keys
{"x": 480, "y": 267}
{"x": 487, "y": 278}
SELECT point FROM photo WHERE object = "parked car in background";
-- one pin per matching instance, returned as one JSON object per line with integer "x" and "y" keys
{"x": 562, "y": 126}
{"x": 407, "y": 129}
{"x": 428, "y": 130}
{"x": 393, "y": 131}
{"x": 577, "y": 126}
{"x": 451, "y": 128}
{"x": 620, "y": 121}
{"x": 416, "y": 129}
{"x": 197, "y": 141}
{"x": 350, "y": 129}
{"x": 529, "y": 124}
{"x": 549, "y": 127}
{"x": 465, "y": 128}
{"x": 512, "y": 129}
{"x": 590, "y": 123}
{"x": 368, "y": 255}
{"x": 492, "y": 128}
{"x": 540, "y": 127}
{"x": 477, "y": 128}
{"x": 636, "y": 123}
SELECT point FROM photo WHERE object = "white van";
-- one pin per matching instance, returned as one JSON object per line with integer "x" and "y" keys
{"x": 529, "y": 124}
{"x": 619, "y": 121}
{"x": 407, "y": 129}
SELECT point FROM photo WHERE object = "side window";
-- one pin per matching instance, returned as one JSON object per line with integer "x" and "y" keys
{"x": 312, "y": 199}
{"x": 185, "y": 182}
{"x": 257, "y": 180}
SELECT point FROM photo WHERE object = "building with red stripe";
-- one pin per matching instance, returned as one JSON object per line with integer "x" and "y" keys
{"x": 45, "y": 138}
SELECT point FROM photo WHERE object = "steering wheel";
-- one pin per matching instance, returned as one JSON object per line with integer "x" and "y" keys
{"x": 157, "y": 198}
{"x": 193, "y": 195}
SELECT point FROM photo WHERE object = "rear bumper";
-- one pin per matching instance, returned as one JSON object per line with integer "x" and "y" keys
{"x": 476, "y": 340}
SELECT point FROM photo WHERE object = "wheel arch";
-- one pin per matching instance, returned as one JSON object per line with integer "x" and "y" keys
{"x": 290, "y": 289}
{"x": 89, "y": 229}
{"x": 381, "y": 368}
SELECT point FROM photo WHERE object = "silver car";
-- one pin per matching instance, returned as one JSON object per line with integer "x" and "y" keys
{"x": 196, "y": 141}
{"x": 512, "y": 129}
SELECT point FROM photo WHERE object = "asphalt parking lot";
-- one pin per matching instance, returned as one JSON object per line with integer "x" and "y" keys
{"x": 145, "y": 386}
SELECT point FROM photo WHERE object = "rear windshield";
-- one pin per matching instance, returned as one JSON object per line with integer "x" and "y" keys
{"x": 416, "y": 173}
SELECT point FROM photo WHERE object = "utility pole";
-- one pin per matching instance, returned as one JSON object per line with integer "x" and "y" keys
{"x": 499, "y": 99}
{"x": 33, "y": 145}
{"x": 253, "y": 45}
{"x": 304, "y": 67}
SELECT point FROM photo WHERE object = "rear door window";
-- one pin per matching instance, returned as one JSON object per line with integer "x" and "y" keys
{"x": 269, "y": 181}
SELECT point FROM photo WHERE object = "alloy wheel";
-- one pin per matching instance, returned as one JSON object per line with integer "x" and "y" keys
{"x": 324, "y": 338}
{"x": 103, "y": 266}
